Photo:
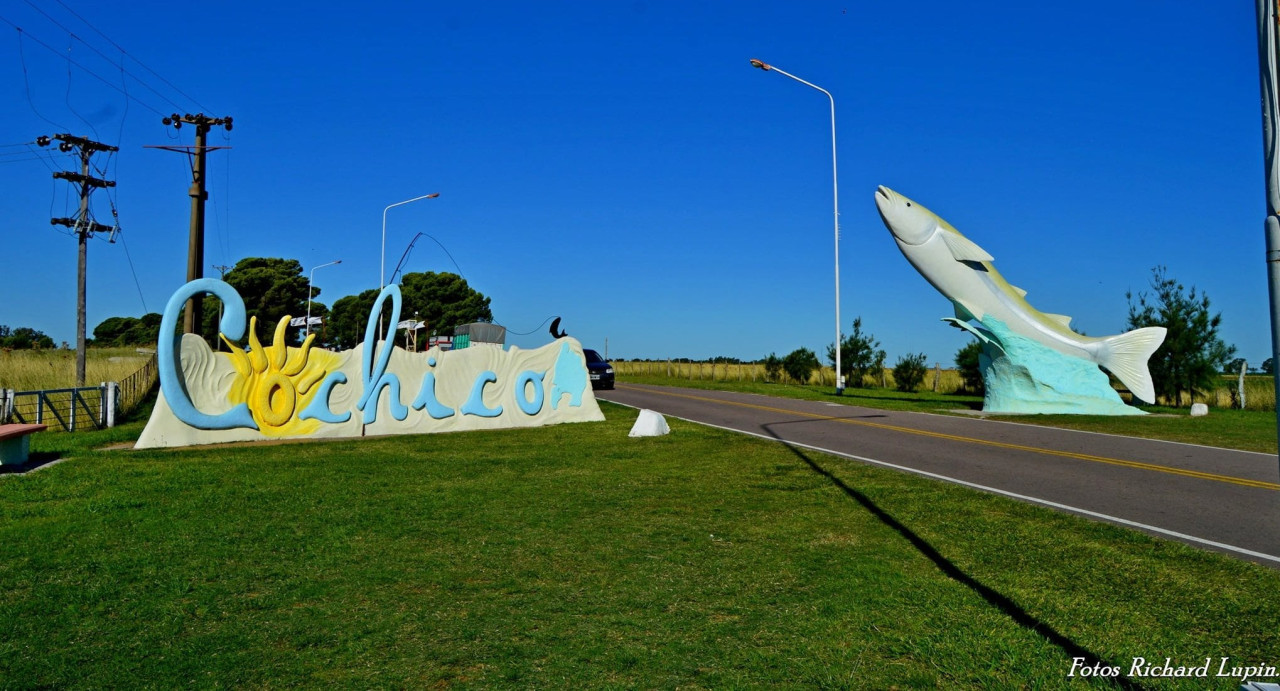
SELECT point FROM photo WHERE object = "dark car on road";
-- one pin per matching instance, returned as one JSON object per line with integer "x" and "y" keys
{"x": 600, "y": 369}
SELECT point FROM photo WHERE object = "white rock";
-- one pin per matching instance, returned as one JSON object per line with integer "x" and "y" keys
{"x": 649, "y": 424}
{"x": 1199, "y": 410}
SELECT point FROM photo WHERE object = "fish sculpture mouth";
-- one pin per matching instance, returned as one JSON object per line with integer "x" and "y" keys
{"x": 884, "y": 196}
{"x": 908, "y": 223}
{"x": 884, "y": 203}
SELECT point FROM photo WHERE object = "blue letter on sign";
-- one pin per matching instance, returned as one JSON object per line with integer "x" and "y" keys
{"x": 169, "y": 354}
{"x": 539, "y": 394}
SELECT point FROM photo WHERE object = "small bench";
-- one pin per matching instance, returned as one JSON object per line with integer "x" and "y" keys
{"x": 15, "y": 444}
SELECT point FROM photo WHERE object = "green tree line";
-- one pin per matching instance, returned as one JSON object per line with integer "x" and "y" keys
{"x": 273, "y": 288}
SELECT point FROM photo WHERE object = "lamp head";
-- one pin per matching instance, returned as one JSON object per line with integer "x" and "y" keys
{"x": 761, "y": 64}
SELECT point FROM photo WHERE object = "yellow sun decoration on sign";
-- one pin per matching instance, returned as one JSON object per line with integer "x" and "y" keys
{"x": 278, "y": 382}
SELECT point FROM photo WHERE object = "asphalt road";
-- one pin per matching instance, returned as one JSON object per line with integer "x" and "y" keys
{"x": 1213, "y": 498}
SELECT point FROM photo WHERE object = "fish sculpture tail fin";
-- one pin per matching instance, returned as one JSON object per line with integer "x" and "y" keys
{"x": 1126, "y": 357}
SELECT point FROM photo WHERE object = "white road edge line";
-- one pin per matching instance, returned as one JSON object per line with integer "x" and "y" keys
{"x": 993, "y": 490}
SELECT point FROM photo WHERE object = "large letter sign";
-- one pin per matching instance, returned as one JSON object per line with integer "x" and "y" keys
{"x": 280, "y": 391}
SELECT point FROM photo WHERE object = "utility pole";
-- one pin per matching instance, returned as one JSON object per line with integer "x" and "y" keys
{"x": 81, "y": 223}
{"x": 1269, "y": 74}
{"x": 222, "y": 275}
{"x": 195, "y": 238}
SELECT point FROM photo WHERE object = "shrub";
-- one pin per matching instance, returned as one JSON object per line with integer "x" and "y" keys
{"x": 909, "y": 372}
{"x": 859, "y": 356}
{"x": 800, "y": 364}
{"x": 970, "y": 369}
{"x": 1192, "y": 353}
{"x": 772, "y": 367}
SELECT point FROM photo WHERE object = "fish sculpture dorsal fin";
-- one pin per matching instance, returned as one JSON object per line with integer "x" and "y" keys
{"x": 964, "y": 249}
{"x": 1059, "y": 318}
{"x": 1021, "y": 293}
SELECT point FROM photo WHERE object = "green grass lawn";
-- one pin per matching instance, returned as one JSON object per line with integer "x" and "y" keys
{"x": 1249, "y": 430}
{"x": 574, "y": 556}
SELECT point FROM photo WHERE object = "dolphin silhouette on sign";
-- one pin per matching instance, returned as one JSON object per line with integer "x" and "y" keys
{"x": 555, "y": 329}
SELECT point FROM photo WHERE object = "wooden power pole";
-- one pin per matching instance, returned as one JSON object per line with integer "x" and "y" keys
{"x": 82, "y": 224}
{"x": 194, "y": 315}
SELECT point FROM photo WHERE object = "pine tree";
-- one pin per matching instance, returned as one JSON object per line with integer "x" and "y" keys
{"x": 1192, "y": 353}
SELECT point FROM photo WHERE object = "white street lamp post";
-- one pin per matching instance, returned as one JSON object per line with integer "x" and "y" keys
{"x": 835, "y": 189}
{"x": 382, "y": 269}
{"x": 309, "y": 280}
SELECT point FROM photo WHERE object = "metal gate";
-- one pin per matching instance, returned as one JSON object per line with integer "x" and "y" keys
{"x": 69, "y": 410}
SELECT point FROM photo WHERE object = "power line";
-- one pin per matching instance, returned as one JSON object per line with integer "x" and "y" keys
{"x": 120, "y": 133}
{"x": 409, "y": 249}
{"x": 25, "y": 154}
{"x": 67, "y": 98}
{"x": 95, "y": 75}
{"x": 526, "y": 333}
{"x": 126, "y": 54}
{"x": 26, "y": 80}
{"x": 29, "y": 159}
{"x": 222, "y": 212}
{"x": 86, "y": 44}
{"x": 125, "y": 245}
{"x": 46, "y": 165}
{"x": 226, "y": 193}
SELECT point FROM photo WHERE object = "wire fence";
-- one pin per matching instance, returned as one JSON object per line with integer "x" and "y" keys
{"x": 135, "y": 387}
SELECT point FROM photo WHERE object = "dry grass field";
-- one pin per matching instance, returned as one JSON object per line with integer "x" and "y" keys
{"x": 1259, "y": 392}
{"x": 34, "y": 370}
{"x": 948, "y": 380}
{"x": 1259, "y": 389}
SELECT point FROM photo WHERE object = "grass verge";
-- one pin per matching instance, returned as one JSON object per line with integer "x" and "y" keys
{"x": 1248, "y": 430}
{"x": 574, "y": 556}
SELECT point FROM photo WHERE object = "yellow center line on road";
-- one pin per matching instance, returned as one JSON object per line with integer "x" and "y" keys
{"x": 1260, "y": 484}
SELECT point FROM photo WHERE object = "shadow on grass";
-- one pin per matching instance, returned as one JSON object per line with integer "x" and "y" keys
{"x": 35, "y": 461}
{"x": 992, "y": 597}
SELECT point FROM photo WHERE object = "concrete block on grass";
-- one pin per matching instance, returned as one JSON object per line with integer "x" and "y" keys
{"x": 649, "y": 424}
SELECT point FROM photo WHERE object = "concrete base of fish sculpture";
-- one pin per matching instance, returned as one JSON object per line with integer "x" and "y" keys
{"x": 1022, "y": 376}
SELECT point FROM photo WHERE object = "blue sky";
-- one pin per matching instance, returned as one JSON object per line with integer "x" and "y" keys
{"x": 622, "y": 166}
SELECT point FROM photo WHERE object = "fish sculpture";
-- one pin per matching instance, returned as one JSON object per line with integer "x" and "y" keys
{"x": 963, "y": 272}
